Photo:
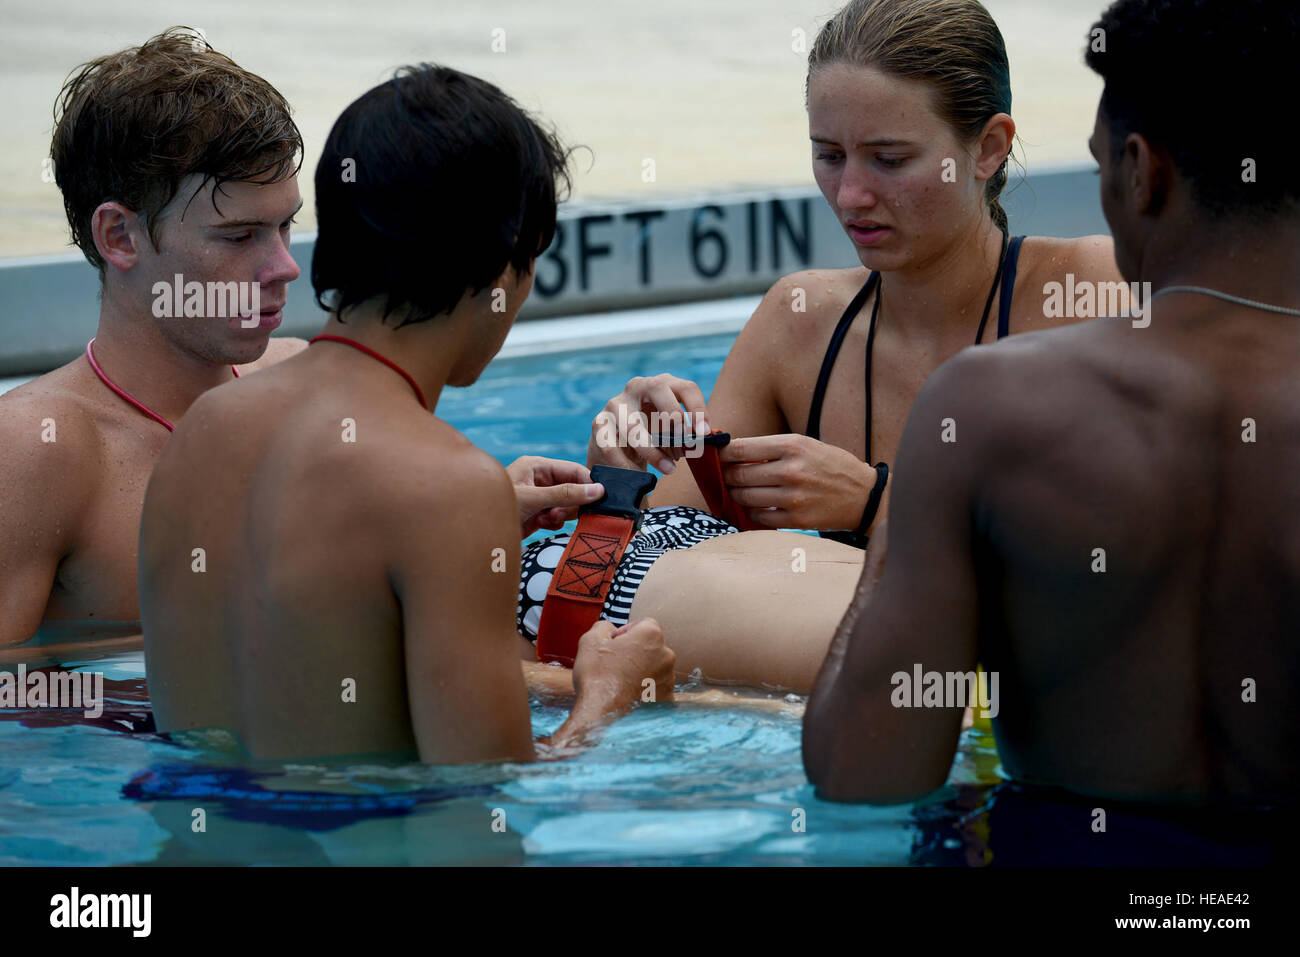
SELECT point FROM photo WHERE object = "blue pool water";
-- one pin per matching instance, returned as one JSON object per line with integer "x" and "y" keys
{"x": 667, "y": 784}
{"x": 544, "y": 405}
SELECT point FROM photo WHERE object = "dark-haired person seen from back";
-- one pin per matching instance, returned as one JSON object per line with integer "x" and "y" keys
{"x": 1124, "y": 551}
{"x": 173, "y": 162}
{"x": 361, "y": 555}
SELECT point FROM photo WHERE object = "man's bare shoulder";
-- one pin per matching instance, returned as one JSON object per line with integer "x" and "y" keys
{"x": 999, "y": 369}
{"x": 1015, "y": 381}
{"x": 54, "y": 406}
{"x": 1023, "y": 390}
{"x": 437, "y": 490}
{"x": 277, "y": 350}
{"x": 53, "y": 440}
{"x": 226, "y": 405}
{"x": 431, "y": 467}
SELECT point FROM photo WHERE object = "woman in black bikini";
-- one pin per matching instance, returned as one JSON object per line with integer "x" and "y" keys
{"x": 908, "y": 108}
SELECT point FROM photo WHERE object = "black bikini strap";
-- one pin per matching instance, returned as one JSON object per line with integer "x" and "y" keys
{"x": 832, "y": 351}
{"x": 1004, "y": 277}
{"x": 988, "y": 303}
{"x": 1008, "y": 288}
{"x": 871, "y": 339}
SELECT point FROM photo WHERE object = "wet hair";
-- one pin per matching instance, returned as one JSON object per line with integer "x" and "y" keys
{"x": 953, "y": 45}
{"x": 1170, "y": 66}
{"x": 130, "y": 126}
{"x": 431, "y": 184}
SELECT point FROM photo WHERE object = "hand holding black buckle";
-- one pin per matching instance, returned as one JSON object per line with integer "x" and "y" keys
{"x": 625, "y": 489}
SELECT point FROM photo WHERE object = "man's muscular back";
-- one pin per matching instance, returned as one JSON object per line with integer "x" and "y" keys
{"x": 1169, "y": 453}
{"x": 354, "y": 525}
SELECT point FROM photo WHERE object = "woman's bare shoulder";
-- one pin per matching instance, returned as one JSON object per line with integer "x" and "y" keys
{"x": 805, "y": 302}
{"x": 1051, "y": 270}
{"x": 1050, "y": 259}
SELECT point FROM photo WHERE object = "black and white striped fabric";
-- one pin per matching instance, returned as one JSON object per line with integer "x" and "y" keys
{"x": 662, "y": 530}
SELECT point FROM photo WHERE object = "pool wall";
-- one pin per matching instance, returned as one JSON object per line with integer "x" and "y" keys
{"x": 614, "y": 255}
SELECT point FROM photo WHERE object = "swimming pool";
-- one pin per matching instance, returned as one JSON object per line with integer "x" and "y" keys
{"x": 667, "y": 784}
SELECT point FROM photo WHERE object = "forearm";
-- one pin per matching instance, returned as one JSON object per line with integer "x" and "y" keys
{"x": 558, "y": 682}
{"x": 613, "y": 668}
{"x": 826, "y": 727}
{"x": 821, "y": 730}
{"x": 591, "y": 711}
{"x": 873, "y": 567}
{"x": 54, "y": 653}
{"x": 547, "y": 679}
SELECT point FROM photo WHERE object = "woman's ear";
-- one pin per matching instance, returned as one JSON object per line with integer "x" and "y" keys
{"x": 994, "y": 145}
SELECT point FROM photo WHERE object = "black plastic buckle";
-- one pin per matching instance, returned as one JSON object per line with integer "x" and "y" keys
{"x": 624, "y": 491}
{"x": 718, "y": 439}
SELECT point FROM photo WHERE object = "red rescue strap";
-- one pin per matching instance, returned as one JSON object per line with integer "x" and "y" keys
{"x": 707, "y": 471}
{"x": 580, "y": 584}
{"x": 582, "y": 578}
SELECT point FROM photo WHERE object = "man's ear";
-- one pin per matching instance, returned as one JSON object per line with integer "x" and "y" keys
{"x": 117, "y": 232}
{"x": 1148, "y": 174}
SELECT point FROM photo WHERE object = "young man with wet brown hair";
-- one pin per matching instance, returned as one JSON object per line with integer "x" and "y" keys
{"x": 179, "y": 173}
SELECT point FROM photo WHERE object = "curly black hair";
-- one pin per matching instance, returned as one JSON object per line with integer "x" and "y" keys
{"x": 1210, "y": 82}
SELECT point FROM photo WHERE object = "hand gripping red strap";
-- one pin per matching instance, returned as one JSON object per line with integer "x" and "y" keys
{"x": 707, "y": 470}
{"x": 586, "y": 569}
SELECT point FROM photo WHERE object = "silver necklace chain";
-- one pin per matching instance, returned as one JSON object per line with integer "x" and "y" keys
{"x": 1229, "y": 298}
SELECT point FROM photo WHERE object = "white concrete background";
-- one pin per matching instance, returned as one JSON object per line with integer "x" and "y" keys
{"x": 710, "y": 89}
